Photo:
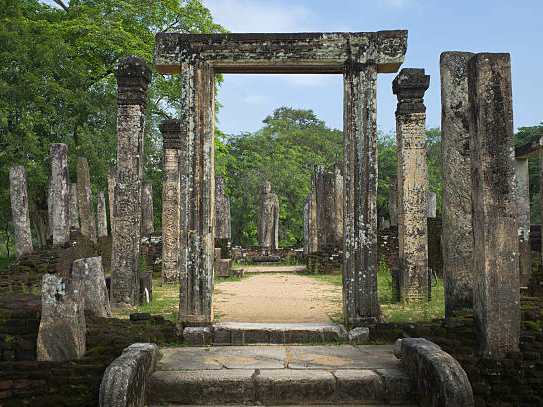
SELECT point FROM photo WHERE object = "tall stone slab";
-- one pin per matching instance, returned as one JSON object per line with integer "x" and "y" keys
{"x": 148, "y": 213}
{"x": 111, "y": 176}
{"x": 74, "y": 208}
{"x": 61, "y": 335}
{"x": 523, "y": 217}
{"x": 101, "y": 216}
{"x": 310, "y": 224}
{"x": 457, "y": 235}
{"x": 268, "y": 220}
{"x": 84, "y": 200}
{"x": 338, "y": 181}
{"x": 409, "y": 86}
{"x": 90, "y": 274}
{"x": 327, "y": 201}
{"x": 431, "y": 204}
{"x": 223, "y": 228}
{"x": 393, "y": 201}
{"x": 18, "y": 191}
{"x": 171, "y": 188}
{"x": 59, "y": 195}
{"x": 360, "y": 257}
{"x": 197, "y": 193}
{"x": 133, "y": 78}
{"x": 495, "y": 226}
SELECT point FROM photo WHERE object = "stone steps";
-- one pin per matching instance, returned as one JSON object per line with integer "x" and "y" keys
{"x": 279, "y": 375}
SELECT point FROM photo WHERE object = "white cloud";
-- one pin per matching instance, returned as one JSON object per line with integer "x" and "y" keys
{"x": 260, "y": 16}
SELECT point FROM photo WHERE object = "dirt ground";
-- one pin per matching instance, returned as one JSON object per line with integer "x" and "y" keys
{"x": 277, "y": 298}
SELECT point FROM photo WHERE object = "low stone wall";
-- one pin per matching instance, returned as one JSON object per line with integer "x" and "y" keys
{"x": 19, "y": 322}
{"x": 126, "y": 379}
{"x": 324, "y": 262}
{"x": 439, "y": 378}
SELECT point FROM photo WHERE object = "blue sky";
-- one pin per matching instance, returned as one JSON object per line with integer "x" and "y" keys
{"x": 434, "y": 26}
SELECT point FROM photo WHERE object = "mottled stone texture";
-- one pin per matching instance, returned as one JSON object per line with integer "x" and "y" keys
{"x": 282, "y": 52}
{"x": 310, "y": 223}
{"x": 19, "y": 210}
{"x": 457, "y": 240}
{"x": 523, "y": 218}
{"x": 59, "y": 195}
{"x": 111, "y": 176}
{"x": 440, "y": 380}
{"x": 360, "y": 257}
{"x": 409, "y": 86}
{"x": 74, "y": 208}
{"x": 133, "y": 77}
{"x": 84, "y": 200}
{"x": 329, "y": 208}
{"x": 172, "y": 138}
{"x": 222, "y": 211}
{"x": 495, "y": 226}
{"x": 101, "y": 216}
{"x": 268, "y": 220}
{"x": 89, "y": 273}
{"x": 393, "y": 201}
{"x": 197, "y": 193}
{"x": 147, "y": 210}
{"x": 126, "y": 379}
{"x": 62, "y": 331}
{"x": 431, "y": 205}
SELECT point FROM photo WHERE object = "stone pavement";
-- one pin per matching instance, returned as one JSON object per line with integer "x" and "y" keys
{"x": 271, "y": 375}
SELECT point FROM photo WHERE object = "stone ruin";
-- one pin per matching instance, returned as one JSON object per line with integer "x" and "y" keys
{"x": 323, "y": 222}
{"x": 223, "y": 231}
{"x": 268, "y": 219}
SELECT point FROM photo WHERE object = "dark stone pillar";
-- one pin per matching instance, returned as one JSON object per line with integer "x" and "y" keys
{"x": 19, "y": 210}
{"x": 360, "y": 257}
{"x": 409, "y": 86}
{"x": 133, "y": 78}
{"x": 74, "y": 209}
{"x": 495, "y": 226}
{"x": 101, "y": 216}
{"x": 457, "y": 236}
{"x": 59, "y": 195}
{"x": 84, "y": 200}
{"x": 111, "y": 176}
{"x": 222, "y": 211}
{"x": 523, "y": 216}
{"x": 147, "y": 210}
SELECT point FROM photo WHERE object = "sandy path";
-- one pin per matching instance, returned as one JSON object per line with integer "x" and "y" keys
{"x": 277, "y": 298}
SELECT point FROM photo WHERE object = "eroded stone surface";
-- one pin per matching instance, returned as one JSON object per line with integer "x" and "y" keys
{"x": 74, "y": 208}
{"x": 62, "y": 331}
{"x": 111, "y": 175}
{"x": 523, "y": 215}
{"x": 84, "y": 200}
{"x": 222, "y": 211}
{"x": 495, "y": 226}
{"x": 90, "y": 273}
{"x": 147, "y": 225}
{"x": 359, "y": 335}
{"x": 101, "y": 216}
{"x": 59, "y": 195}
{"x": 19, "y": 210}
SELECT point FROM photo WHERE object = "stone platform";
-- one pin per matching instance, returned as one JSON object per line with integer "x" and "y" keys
{"x": 279, "y": 375}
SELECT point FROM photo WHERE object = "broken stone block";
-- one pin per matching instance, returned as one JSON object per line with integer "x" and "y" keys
{"x": 61, "y": 335}
{"x": 198, "y": 336}
{"x": 90, "y": 273}
{"x": 359, "y": 336}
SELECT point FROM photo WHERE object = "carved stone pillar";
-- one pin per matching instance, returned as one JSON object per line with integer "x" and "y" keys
{"x": 147, "y": 227}
{"x": 409, "y": 86}
{"x": 310, "y": 224}
{"x": 59, "y": 195}
{"x": 495, "y": 256}
{"x": 360, "y": 257}
{"x": 84, "y": 200}
{"x": 197, "y": 193}
{"x": 101, "y": 216}
{"x": 74, "y": 209}
{"x": 268, "y": 221}
{"x": 171, "y": 232}
{"x": 19, "y": 210}
{"x": 133, "y": 78}
{"x": 111, "y": 176}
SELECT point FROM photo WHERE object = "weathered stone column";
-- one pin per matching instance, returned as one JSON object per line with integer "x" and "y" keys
{"x": 133, "y": 78}
{"x": 59, "y": 195}
{"x": 111, "y": 176}
{"x": 393, "y": 201}
{"x": 222, "y": 211}
{"x": 310, "y": 224}
{"x": 74, "y": 209}
{"x": 495, "y": 227}
{"x": 338, "y": 181}
{"x": 90, "y": 274}
{"x": 327, "y": 223}
{"x": 457, "y": 235}
{"x": 101, "y": 216}
{"x": 409, "y": 86}
{"x": 147, "y": 227}
{"x": 62, "y": 331}
{"x": 172, "y": 139}
{"x": 19, "y": 210}
{"x": 84, "y": 200}
{"x": 523, "y": 217}
{"x": 197, "y": 193}
{"x": 431, "y": 204}
{"x": 268, "y": 221}
{"x": 360, "y": 257}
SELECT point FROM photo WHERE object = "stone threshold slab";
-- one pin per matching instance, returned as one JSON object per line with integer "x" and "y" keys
{"x": 242, "y": 333}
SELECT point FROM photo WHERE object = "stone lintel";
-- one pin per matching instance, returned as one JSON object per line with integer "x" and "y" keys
{"x": 133, "y": 78}
{"x": 409, "y": 86}
{"x": 281, "y": 52}
{"x": 172, "y": 134}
